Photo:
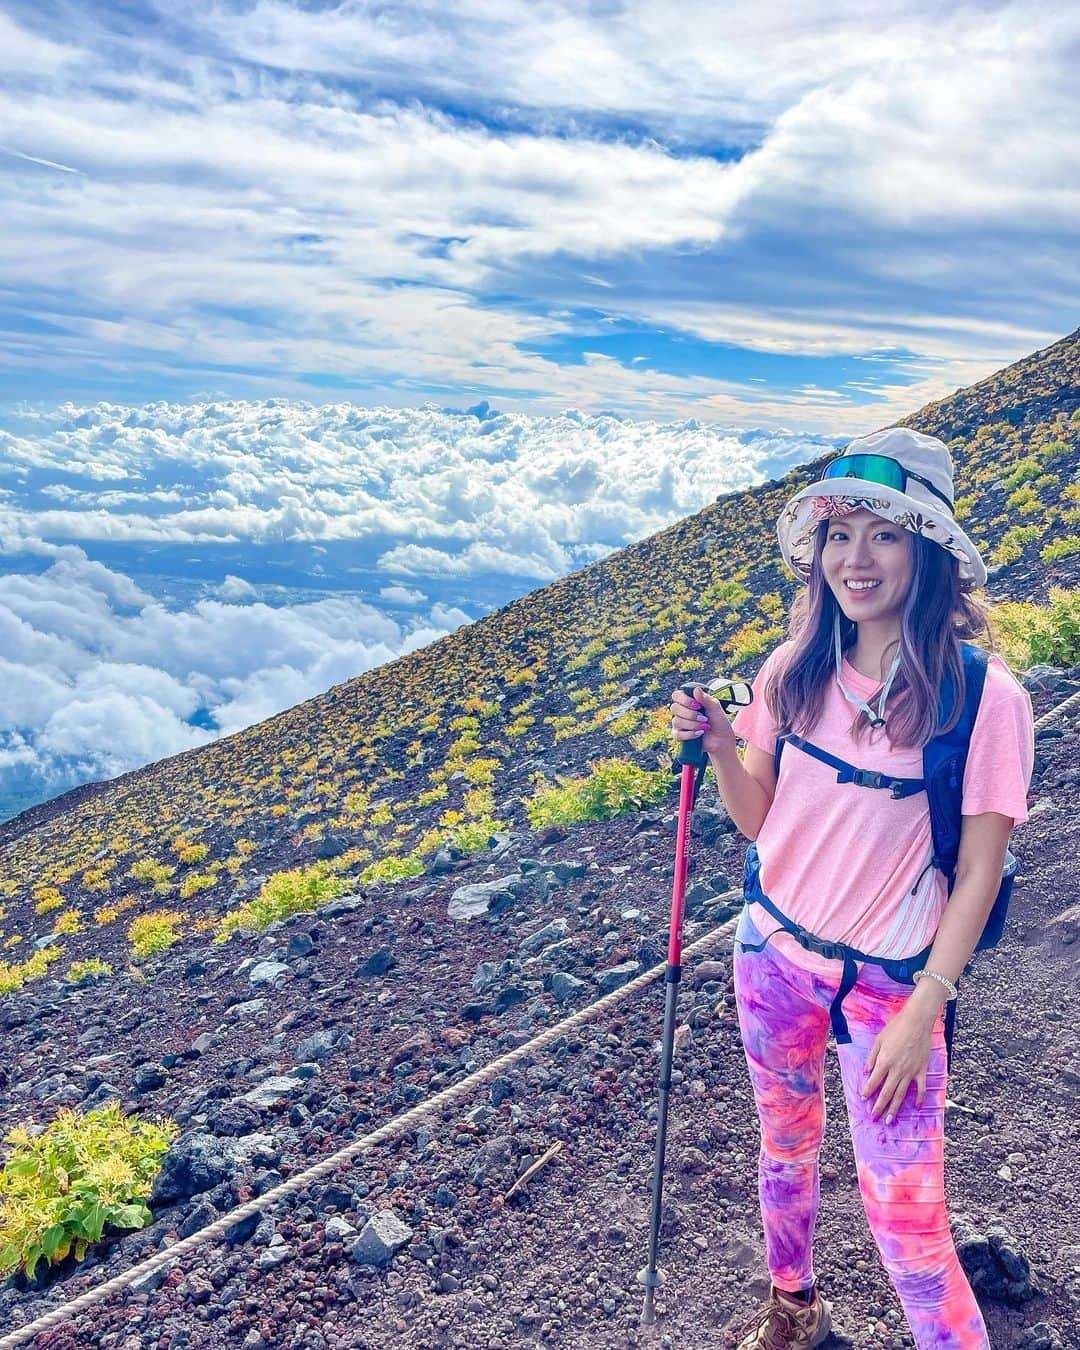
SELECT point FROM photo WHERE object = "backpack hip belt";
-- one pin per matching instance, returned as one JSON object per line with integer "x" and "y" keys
{"x": 901, "y": 969}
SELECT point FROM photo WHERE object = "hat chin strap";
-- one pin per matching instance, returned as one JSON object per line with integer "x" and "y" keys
{"x": 877, "y": 716}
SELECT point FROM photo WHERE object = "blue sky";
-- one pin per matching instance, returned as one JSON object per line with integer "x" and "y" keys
{"x": 258, "y": 260}
{"x": 734, "y": 213}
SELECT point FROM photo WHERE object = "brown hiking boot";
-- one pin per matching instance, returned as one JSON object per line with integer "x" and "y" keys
{"x": 788, "y": 1324}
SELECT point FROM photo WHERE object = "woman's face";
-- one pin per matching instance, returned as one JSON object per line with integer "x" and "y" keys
{"x": 864, "y": 547}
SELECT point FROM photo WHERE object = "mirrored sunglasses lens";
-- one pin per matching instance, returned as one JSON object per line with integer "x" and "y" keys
{"x": 871, "y": 468}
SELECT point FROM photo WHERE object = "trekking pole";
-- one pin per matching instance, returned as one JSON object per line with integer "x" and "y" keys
{"x": 692, "y": 759}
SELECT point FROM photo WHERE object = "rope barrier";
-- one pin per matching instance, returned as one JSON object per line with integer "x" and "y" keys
{"x": 393, "y": 1127}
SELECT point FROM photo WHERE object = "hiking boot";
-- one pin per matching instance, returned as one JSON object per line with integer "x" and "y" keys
{"x": 788, "y": 1324}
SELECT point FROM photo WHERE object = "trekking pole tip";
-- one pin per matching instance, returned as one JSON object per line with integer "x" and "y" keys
{"x": 652, "y": 1280}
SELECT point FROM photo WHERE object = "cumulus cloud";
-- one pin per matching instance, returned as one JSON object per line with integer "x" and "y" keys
{"x": 100, "y": 678}
{"x": 406, "y": 524}
{"x": 235, "y": 589}
{"x": 451, "y": 494}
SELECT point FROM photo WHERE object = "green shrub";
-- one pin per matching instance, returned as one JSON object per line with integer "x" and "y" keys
{"x": 613, "y": 787}
{"x": 1022, "y": 472}
{"x": 197, "y": 881}
{"x": 1010, "y": 546}
{"x": 154, "y": 873}
{"x": 725, "y": 595}
{"x": 14, "y": 976}
{"x": 80, "y": 970}
{"x": 193, "y": 853}
{"x": 473, "y": 835}
{"x": 283, "y": 894}
{"x": 153, "y": 933}
{"x": 68, "y": 922}
{"x": 59, "y": 1189}
{"x": 1061, "y": 548}
{"x": 751, "y": 640}
{"x": 626, "y": 723}
{"x": 1029, "y": 634}
{"x": 47, "y": 898}
{"x": 391, "y": 869}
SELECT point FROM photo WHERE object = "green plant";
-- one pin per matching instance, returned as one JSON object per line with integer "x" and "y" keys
{"x": 1022, "y": 472}
{"x": 751, "y": 640}
{"x": 613, "y": 787}
{"x": 13, "y": 977}
{"x": 391, "y": 869}
{"x": 153, "y": 933}
{"x": 474, "y": 835}
{"x": 47, "y": 898}
{"x": 1010, "y": 546}
{"x": 59, "y": 1188}
{"x": 1030, "y": 634}
{"x": 79, "y": 970}
{"x": 1061, "y": 548}
{"x": 68, "y": 922}
{"x": 1025, "y": 500}
{"x": 152, "y": 872}
{"x": 283, "y": 894}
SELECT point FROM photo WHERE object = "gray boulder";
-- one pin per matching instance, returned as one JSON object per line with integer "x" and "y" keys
{"x": 551, "y": 932}
{"x": 485, "y": 897}
{"x": 270, "y": 973}
{"x": 272, "y": 1089}
{"x": 382, "y": 1236}
{"x": 616, "y": 976}
{"x": 199, "y": 1161}
{"x": 322, "y": 1044}
{"x": 566, "y": 987}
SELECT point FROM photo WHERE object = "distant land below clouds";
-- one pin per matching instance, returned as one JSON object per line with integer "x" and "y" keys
{"x": 171, "y": 573}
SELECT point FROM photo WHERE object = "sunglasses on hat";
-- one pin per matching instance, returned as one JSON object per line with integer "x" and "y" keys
{"x": 881, "y": 469}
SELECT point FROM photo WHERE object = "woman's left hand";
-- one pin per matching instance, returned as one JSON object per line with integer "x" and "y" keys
{"x": 900, "y": 1054}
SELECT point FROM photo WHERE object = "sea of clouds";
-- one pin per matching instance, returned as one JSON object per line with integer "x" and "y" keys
{"x": 172, "y": 573}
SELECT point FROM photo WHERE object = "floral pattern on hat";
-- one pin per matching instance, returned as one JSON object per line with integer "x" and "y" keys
{"x": 801, "y": 542}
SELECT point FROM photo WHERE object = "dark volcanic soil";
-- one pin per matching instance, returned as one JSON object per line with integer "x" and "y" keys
{"x": 556, "y": 1263}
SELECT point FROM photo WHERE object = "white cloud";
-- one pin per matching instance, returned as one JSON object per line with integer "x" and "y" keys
{"x": 417, "y": 505}
{"x": 100, "y": 678}
{"x": 463, "y": 496}
{"x": 252, "y": 220}
{"x": 401, "y": 595}
{"x": 235, "y": 589}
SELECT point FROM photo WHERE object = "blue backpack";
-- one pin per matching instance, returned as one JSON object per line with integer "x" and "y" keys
{"x": 944, "y": 759}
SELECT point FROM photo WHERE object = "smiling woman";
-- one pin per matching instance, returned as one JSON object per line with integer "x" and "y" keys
{"x": 860, "y": 913}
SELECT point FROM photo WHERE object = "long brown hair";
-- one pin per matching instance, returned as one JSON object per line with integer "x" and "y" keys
{"x": 939, "y": 611}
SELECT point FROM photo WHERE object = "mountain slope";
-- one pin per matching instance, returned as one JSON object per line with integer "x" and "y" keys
{"x": 406, "y": 1000}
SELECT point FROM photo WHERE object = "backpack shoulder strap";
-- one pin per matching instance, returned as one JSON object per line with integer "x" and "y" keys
{"x": 945, "y": 757}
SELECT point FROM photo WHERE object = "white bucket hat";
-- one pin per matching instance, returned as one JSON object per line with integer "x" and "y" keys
{"x": 925, "y": 506}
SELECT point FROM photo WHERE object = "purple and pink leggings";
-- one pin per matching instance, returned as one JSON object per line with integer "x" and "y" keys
{"x": 783, "y": 1013}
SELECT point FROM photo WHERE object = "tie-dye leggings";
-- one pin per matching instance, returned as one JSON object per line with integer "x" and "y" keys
{"x": 783, "y": 1013}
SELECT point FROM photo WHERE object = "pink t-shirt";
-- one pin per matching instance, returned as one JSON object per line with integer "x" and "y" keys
{"x": 849, "y": 862}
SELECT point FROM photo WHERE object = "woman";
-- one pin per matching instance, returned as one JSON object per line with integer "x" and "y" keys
{"x": 888, "y": 575}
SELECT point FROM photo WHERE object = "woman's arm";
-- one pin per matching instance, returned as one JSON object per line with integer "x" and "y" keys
{"x": 746, "y": 786}
{"x": 983, "y": 842}
{"x": 902, "y": 1049}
